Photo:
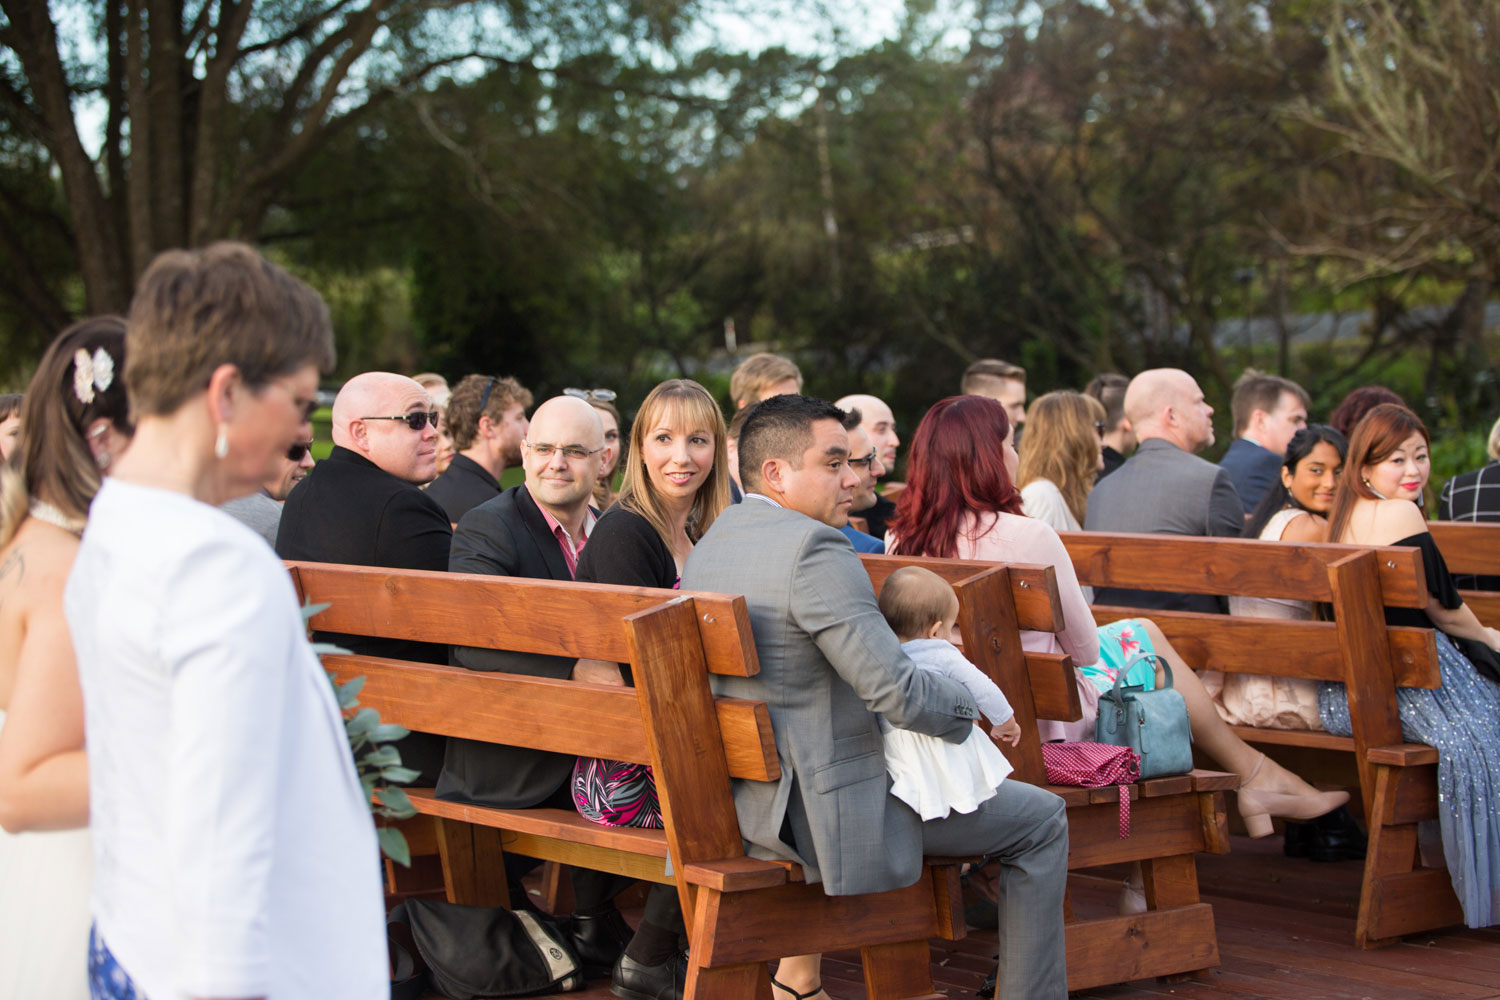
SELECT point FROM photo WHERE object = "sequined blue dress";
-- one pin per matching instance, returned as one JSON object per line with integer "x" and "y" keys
{"x": 1462, "y": 720}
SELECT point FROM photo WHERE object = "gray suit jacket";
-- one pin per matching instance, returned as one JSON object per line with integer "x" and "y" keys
{"x": 828, "y": 664}
{"x": 1163, "y": 490}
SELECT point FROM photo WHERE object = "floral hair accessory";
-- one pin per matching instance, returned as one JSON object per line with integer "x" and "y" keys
{"x": 90, "y": 373}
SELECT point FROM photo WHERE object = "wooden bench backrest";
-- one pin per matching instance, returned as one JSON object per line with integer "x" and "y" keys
{"x": 996, "y": 601}
{"x": 1472, "y": 548}
{"x": 533, "y": 616}
{"x": 1355, "y": 582}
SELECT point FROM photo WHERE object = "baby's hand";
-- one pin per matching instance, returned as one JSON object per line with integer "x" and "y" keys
{"x": 1008, "y": 731}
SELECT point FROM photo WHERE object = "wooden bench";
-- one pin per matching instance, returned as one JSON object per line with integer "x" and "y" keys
{"x": 1397, "y": 779}
{"x": 1170, "y": 818}
{"x": 1472, "y": 548}
{"x": 740, "y": 912}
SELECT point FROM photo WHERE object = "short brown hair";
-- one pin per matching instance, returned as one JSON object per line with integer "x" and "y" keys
{"x": 10, "y": 405}
{"x": 195, "y": 310}
{"x": 914, "y": 599}
{"x": 1109, "y": 390}
{"x": 757, "y": 372}
{"x": 463, "y": 405}
{"x": 1255, "y": 390}
{"x": 989, "y": 368}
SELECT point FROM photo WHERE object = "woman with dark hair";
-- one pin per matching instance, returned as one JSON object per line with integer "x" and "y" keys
{"x": 1387, "y": 470}
{"x": 235, "y": 852}
{"x": 76, "y": 422}
{"x": 1295, "y": 509}
{"x": 961, "y": 502}
{"x": 1347, "y": 415}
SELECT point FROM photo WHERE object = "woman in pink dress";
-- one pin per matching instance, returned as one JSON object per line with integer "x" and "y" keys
{"x": 961, "y": 502}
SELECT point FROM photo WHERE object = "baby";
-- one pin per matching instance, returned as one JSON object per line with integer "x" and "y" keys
{"x": 931, "y": 775}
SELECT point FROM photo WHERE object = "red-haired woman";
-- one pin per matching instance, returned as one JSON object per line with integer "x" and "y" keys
{"x": 961, "y": 502}
{"x": 1386, "y": 472}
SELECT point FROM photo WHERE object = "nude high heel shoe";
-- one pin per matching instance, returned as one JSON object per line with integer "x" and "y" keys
{"x": 1258, "y": 807}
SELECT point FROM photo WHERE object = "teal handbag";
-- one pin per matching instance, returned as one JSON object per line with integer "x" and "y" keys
{"x": 1152, "y": 723}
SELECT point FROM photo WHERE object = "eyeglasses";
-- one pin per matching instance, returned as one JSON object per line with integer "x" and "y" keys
{"x": 1099, "y": 429}
{"x": 416, "y": 421}
{"x": 602, "y": 395}
{"x": 298, "y": 451}
{"x": 572, "y": 452}
{"x": 862, "y": 463}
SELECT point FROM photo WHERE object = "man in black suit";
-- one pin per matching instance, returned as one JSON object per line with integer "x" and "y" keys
{"x": 487, "y": 420}
{"x": 362, "y": 506}
{"x": 536, "y": 531}
{"x": 1268, "y": 412}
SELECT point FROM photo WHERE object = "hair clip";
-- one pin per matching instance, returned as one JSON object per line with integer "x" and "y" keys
{"x": 90, "y": 373}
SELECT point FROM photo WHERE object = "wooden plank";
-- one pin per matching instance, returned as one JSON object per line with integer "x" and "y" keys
{"x": 1468, "y": 547}
{"x": 1245, "y": 567}
{"x": 1485, "y": 605}
{"x": 1316, "y": 738}
{"x": 1033, "y": 587}
{"x": 1411, "y": 902}
{"x": 1170, "y": 881}
{"x": 1275, "y": 647}
{"x": 1121, "y": 949}
{"x": 735, "y": 874}
{"x": 989, "y": 625}
{"x": 1413, "y": 795}
{"x": 1158, "y": 828}
{"x": 756, "y": 927}
{"x": 1403, "y": 755}
{"x": 682, "y": 731}
{"x": 1054, "y": 686}
{"x": 898, "y": 971}
{"x": 551, "y": 617}
{"x": 542, "y": 712}
{"x": 545, "y": 822}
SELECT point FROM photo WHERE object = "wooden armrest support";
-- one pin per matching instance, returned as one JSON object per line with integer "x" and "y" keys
{"x": 1214, "y": 781}
{"x": 1403, "y": 755}
{"x": 736, "y": 874}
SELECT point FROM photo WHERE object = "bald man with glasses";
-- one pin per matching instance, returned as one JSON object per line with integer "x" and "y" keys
{"x": 363, "y": 507}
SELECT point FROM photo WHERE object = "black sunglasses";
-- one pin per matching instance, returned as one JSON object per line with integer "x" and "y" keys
{"x": 297, "y": 451}
{"x": 416, "y": 421}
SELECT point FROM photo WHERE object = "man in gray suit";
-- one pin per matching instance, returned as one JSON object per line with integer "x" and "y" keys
{"x": 829, "y": 666}
{"x": 1164, "y": 488}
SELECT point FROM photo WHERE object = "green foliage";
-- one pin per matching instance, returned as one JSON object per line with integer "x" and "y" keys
{"x": 376, "y": 760}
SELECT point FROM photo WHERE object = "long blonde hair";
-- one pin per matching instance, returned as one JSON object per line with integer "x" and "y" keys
{"x": 677, "y": 402}
{"x": 1062, "y": 445}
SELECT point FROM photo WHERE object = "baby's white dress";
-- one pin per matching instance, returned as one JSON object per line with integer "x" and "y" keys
{"x": 936, "y": 777}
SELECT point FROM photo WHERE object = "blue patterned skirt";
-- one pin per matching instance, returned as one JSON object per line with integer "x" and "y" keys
{"x": 107, "y": 980}
{"x": 1462, "y": 720}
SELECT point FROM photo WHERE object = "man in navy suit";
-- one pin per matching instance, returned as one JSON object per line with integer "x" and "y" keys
{"x": 1268, "y": 410}
{"x": 865, "y": 462}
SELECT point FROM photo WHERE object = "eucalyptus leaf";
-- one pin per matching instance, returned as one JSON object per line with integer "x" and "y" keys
{"x": 397, "y": 800}
{"x": 393, "y": 845}
{"x": 309, "y": 611}
{"x": 364, "y": 722}
{"x": 383, "y": 757}
{"x": 400, "y": 775}
{"x": 389, "y": 732}
{"x": 349, "y": 692}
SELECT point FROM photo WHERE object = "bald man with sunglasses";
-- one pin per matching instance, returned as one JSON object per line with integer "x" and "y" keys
{"x": 364, "y": 507}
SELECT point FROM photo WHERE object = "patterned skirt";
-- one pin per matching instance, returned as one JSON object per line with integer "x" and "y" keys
{"x": 1462, "y": 720}
{"x": 107, "y": 980}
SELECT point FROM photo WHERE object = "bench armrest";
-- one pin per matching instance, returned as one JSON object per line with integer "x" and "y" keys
{"x": 1403, "y": 755}
{"x": 737, "y": 874}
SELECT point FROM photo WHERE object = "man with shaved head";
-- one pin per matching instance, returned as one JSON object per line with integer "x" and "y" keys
{"x": 362, "y": 506}
{"x": 879, "y": 426}
{"x": 536, "y": 530}
{"x": 1164, "y": 488}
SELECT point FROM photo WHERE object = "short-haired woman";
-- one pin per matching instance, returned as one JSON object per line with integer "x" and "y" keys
{"x": 235, "y": 854}
{"x": 77, "y": 421}
{"x": 1376, "y": 505}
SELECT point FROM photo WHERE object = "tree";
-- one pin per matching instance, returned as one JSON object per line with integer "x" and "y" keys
{"x": 212, "y": 108}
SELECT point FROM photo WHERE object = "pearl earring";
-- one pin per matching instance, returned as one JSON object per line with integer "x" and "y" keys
{"x": 221, "y": 443}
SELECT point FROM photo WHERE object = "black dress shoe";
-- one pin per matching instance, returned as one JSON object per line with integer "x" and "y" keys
{"x": 635, "y": 981}
{"x": 1334, "y": 837}
{"x": 599, "y": 940}
{"x": 988, "y": 987}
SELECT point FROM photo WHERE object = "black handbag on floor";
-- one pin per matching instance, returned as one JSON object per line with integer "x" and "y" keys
{"x": 475, "y": 952}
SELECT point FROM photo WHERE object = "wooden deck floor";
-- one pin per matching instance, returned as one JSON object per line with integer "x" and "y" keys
{"x": 1286, "y": 932}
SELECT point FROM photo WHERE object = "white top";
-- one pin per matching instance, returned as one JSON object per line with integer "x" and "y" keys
{"x": 234, "y": 853}
{"x": 1042, "y": 500}
{"x": 936, "y": 777}
{"x": 1273, "y": 607}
